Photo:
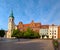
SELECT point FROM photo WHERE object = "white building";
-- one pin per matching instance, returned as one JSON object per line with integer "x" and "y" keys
{"x": 11, "y": 25}
{"x": 53, "y": 31}
{"x": 44, "y": 31}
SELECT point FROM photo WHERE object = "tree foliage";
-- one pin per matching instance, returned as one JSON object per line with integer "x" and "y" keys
{"x": 17, "y": 33}
{"x": 2, "y": 33}
{"x": 55, "y": 43}
{"x": 36, "y": 35}
{"x": 29, "y": 33}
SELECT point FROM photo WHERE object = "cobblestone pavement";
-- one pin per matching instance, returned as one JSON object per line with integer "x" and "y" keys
{"x": 26, "y": 44}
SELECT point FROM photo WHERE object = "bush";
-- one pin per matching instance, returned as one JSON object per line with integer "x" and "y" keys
{"x": 55, "y": 43}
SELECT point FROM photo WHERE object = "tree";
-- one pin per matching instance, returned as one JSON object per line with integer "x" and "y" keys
{"x": 17, "y": 34}
{"x": 28, "y": 33}
{"x": 25, "y": 34}
{"x": 31, "y": 34}
{"x": 36, "y": 34}
{"x": 2, "y": 33}
{"x": 55, "y": 44}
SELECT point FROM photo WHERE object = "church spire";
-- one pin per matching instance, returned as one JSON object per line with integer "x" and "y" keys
{"x": 11, "y": 14}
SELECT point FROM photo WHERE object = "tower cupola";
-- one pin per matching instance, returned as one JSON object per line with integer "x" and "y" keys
{"x": 11, "y": 14}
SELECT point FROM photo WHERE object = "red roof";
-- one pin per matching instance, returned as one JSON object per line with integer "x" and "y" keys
{"x": 29, "y": 25}
{"x": 45, "y": 26}
{"x": 25, "y": 25}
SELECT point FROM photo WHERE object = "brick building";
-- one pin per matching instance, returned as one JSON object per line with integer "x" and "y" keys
{"x": 33, "y": 25}
{"x": 58, "y": 31}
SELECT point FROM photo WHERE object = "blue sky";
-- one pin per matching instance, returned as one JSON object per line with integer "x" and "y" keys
{"x": 44, "y": 11}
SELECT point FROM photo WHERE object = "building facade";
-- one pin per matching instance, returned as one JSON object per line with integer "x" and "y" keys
{"x": 44, "y": 31}
{"x": 34, "y": 26}
{"x": 53, "y": 31}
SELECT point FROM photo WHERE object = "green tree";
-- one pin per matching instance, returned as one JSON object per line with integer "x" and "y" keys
{"x": 17, "y": 34}
{"x": 56, "y": 44}
{"x": 36, "y": 35}
{"x": 28, "y": 33}
{"x": 31, "y": 34}
{"x": 2, "y": 33}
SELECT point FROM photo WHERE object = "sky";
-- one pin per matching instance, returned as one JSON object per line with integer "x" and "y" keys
{"x": 43, "y": 11}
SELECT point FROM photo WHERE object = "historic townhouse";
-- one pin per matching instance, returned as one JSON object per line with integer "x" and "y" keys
{"x": 33, "y": 25}
{"x": 53, "y": 31}
{"x": 44, "y": 31}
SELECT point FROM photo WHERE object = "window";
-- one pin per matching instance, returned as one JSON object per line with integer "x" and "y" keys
{"x": 55, "y": 33}
{"x": 55, "y": 30}
{"x": 55, "y": 36}
{"x": 50, "y": 33}
{"x": 50, "y": 30}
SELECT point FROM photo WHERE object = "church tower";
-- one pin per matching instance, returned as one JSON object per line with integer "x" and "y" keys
{"x": 11, "y": 25}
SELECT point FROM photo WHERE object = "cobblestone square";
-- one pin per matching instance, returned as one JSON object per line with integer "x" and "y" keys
{"x": 26, "y": 44}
